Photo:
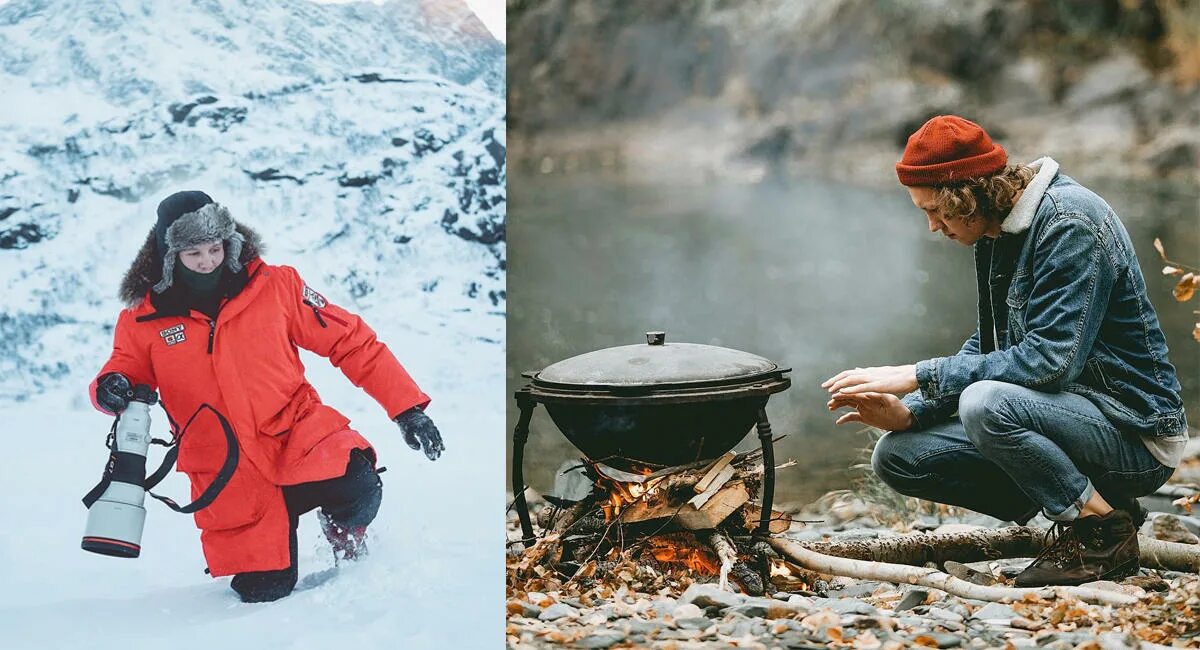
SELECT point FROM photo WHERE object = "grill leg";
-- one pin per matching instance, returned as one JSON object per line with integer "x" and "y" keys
{"x": 520, "y": 436}
{"x": 768, "y": 495}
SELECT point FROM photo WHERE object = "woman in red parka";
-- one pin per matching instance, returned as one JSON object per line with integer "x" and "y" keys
{"x": 208, "y": 322}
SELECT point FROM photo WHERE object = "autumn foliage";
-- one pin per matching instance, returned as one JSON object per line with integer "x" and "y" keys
{"x": 1189, "y": 281}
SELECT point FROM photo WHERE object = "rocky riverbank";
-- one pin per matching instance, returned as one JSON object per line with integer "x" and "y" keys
{"x": 743, "y": 91}
{"x": 621, "y": 602}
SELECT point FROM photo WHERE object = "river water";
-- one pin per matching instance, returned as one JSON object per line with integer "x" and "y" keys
{"x": 812, "y": 274}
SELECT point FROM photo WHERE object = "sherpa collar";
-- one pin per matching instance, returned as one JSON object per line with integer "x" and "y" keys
{"x": 1022, "y": 213}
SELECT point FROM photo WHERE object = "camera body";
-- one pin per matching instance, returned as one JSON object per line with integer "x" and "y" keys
{"x": 116, "y": 518}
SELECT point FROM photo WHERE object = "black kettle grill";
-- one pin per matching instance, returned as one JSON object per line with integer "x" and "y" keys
{"x": 654, "y": 405}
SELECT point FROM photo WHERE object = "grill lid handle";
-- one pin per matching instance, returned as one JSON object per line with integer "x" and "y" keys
{"x": 656, "y": 338}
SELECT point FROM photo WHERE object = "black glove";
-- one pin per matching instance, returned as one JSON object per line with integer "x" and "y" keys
{"x": 113, "y": 392}
{"x": 420, "y": 432}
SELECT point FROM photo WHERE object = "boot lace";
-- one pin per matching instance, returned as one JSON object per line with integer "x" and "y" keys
{"x": 1061, "y": 546}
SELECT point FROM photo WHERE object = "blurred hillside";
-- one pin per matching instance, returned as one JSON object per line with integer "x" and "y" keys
{"x": 727, "y": 89}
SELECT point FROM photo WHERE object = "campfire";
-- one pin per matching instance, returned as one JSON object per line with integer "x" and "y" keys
{"x": 658, "y": 481}
{"x": 699, "y": 519}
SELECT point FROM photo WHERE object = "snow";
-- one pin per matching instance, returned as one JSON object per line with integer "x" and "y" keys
{"x": 387, "y": 196}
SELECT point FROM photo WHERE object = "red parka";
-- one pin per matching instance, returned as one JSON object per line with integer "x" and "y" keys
{"x": 246, "y": 365}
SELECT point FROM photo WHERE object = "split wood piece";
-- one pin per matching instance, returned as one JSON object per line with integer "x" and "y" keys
{"x": 742, "y": 458}
{"x": 726, "y": 552}
{"x": 669, "y": 493}
{"x": 914, "y": 575}
{"x": 990, "y": 544}
{"x": 728, "y": 499}
{"x": 718, "y": 466}
{"x": 717, "y": 482}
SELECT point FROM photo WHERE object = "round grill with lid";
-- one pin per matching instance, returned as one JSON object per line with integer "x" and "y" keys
{"x": 653, "y": 405}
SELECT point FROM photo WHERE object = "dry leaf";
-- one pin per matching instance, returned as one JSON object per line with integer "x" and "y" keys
{"x": 1196, "y": 333}
{"x": 823, "y": 618}
{"x": 1170, "y": 270}
{"x": 925, "y": 641}
{"x": 867, "y": 641}
{"x": 1186, "y": 502}
{"x": 1159, "y": 247}
{"x": 834, "y": 634}
{"x": 1186, "y": 287}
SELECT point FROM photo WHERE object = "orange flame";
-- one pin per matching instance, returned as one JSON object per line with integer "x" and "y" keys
{"x": 622, "y": 494}
{"x": 672, "y": 549}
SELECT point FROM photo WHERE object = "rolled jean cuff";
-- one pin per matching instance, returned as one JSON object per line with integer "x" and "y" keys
{"x": 1073, "y": 510}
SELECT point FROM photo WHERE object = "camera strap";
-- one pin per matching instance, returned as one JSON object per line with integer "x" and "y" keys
{"x": 218, "y": 483}
{"x": 112, "y": 468}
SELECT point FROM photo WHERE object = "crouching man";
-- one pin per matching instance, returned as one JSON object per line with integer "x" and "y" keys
{"x": 1063, "y": 399}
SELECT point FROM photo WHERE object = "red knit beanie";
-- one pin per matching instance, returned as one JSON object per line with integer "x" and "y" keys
{"x": 949, "y": 149}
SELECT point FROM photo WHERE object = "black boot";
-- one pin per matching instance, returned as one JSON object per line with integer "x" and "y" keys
{"x": 348, "y": 542}
{"x": 1089, "y": 548}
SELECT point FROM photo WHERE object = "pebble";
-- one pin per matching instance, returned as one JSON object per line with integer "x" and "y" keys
{"x": 556, "y": 611}
{"x": 693, "y": 623}
{"x": 640, "y": 626}
{"x": 943, "y": 614}
{"x": 527, "y": 610}
{"x": 601, "y": 639}
{"x": 913, "y": 598}
{"x": 687, "y": 610}
{"x": 995, "y": 612}
{"x": 846, "y": 606}
{"x": 710, "y": 595}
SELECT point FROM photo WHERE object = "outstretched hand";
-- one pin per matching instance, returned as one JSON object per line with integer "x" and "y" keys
{"x": 420, "y": 432}
{"x": 896, "y": 380}
{"x": 880, "y": 410}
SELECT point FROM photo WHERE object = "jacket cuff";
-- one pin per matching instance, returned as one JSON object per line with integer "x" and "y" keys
{"x": 923, "y": 412}
{"x": 927, "y": 378}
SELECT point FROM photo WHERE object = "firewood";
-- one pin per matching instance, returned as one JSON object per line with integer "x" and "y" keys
{"x": 728, "y": 499}
{"x": 926, "y": 577}
{"x": 718, "y": 467}
{"x": 722, "y": 504}
{"x": 714, "y": 484}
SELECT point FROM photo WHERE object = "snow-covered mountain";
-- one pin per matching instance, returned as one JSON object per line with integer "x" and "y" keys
{"x": 366, "y": 144}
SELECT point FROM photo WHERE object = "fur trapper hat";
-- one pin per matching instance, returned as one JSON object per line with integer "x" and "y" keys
{"x": 188, "y": 219}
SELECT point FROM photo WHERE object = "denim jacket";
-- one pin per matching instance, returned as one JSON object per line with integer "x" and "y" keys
{"x": 1062, "y": 307}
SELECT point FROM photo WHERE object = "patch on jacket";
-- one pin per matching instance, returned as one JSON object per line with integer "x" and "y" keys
{"x": 313, "y": 298}
{"x": 173, "y": 335}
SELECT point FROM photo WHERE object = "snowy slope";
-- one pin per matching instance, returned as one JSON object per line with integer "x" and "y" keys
{"x": 366, "y": 144}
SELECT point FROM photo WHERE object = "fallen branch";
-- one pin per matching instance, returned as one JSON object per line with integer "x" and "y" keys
{"x": 990, "y": 544}
{"x": 913, "y": 575}
{"x": 921, "y": 548}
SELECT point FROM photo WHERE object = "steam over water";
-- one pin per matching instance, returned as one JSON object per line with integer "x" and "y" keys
{"x": 809, "y": 273}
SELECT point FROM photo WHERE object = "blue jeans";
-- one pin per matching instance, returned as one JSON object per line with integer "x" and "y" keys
{"x": 1014, "y": 451}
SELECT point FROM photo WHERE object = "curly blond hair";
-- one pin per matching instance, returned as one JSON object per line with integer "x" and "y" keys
{"x": 990, "y": 197}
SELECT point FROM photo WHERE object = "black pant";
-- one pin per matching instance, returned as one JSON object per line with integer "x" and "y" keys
{"x": 351, "y": 500}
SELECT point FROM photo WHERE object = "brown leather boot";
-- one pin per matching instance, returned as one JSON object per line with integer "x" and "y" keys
{"x": 1089, "y": 548}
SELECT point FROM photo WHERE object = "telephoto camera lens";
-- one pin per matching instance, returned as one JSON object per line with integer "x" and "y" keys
{"x": 115, "y": 520}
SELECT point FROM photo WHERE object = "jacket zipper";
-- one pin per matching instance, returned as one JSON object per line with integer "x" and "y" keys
{"x": 317, "y": 312}
{"x": 212, "y": 332}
